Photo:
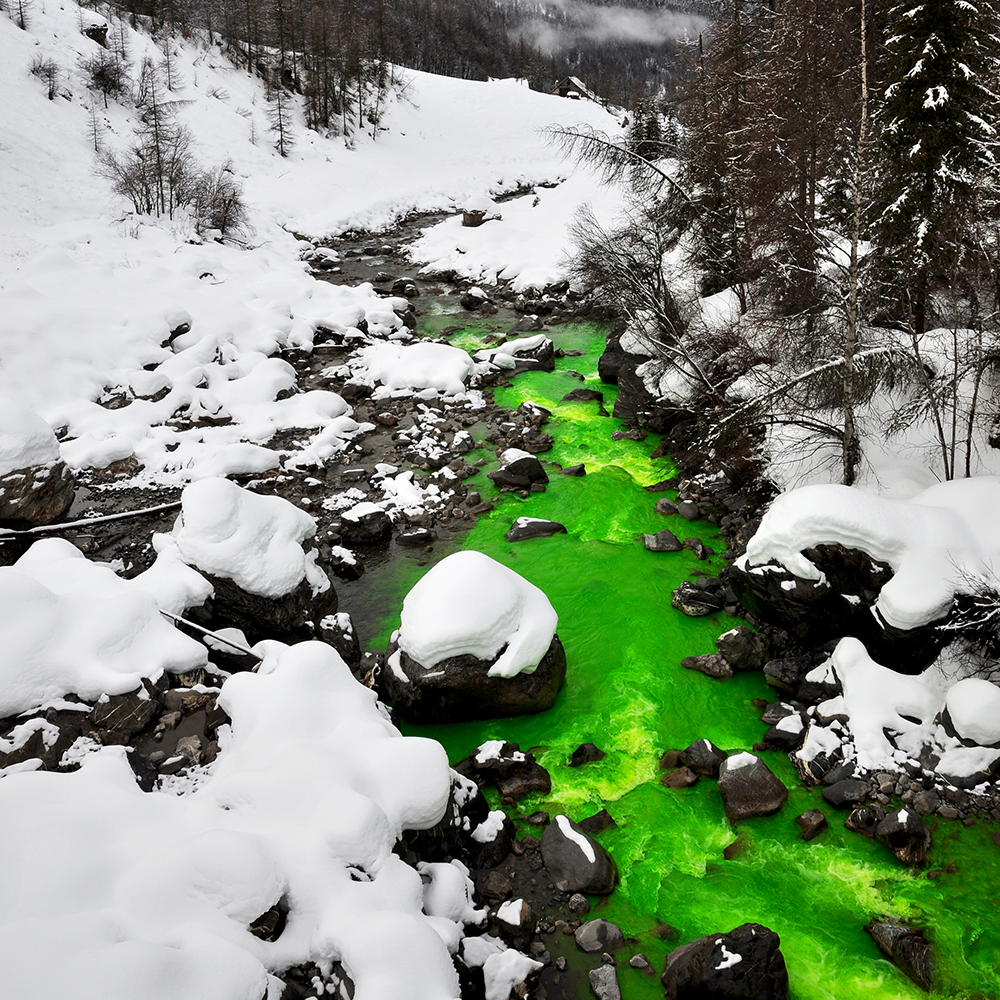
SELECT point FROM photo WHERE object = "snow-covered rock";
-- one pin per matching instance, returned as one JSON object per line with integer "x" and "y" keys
{"x": 974, "y": 708}
{"x": 70, "y": 625}
{"x": 469, "y": 604}
{"x": 303, "y": 805}
{"x": 255, "y": 541}
{"x": 415, "y": 367}
{"x": 938, "y": 544}
{"x": 476, "y": 641}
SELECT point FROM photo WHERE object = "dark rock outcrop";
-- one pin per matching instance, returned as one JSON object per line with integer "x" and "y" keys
{"x": 521, "y": 474}
{"x": 459, "y": 688}
{"x": 576, "y": 861}
{"x": 704, "y": 758}
{"x": 749, "y": 788}
{"x": 904, "y": 833}
{"x": 745, "y": 964}
{"x": 289, "y": 618}
{"x": 907, "y": 948}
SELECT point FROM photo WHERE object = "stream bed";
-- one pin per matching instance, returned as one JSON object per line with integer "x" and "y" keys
{"x": 627, "y": 693}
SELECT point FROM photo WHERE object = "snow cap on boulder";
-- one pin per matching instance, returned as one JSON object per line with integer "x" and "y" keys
{"x": 255, "y": 541}
{"x": 470, "y": 604}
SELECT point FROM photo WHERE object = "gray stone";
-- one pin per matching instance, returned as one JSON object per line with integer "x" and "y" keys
{"x": 662, "y": 541}
{"x": 599, "y": 935}
{"x": 695, "y": 603}
{"x": 604, "y": 983}
{"x": 847, "y": 793}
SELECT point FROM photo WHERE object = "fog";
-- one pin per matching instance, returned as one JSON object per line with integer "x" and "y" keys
{"x": 586, "y": 22}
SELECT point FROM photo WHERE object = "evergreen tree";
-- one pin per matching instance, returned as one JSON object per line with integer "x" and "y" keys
{"x": 936, "y": 133}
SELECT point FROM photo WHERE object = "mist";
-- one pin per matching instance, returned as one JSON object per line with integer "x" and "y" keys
{"x": 595, "y": 24}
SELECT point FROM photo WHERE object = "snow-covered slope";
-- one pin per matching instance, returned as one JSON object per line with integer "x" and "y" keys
{"x": 89, "y": 292}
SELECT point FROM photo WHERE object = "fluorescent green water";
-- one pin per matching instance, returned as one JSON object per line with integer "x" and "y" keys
{"x": 627, "y": 693}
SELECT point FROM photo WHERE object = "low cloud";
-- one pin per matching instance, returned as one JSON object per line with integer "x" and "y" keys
{"x": 586, "y": 22}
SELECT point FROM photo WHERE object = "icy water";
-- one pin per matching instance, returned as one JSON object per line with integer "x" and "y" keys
{"x": 627, "y": 692}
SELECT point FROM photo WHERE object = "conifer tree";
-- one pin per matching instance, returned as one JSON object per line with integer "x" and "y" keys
{"x": 937, "y": 146}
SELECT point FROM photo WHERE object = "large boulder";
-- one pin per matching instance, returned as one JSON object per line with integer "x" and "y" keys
{"x": 745, "y": 964}
{"x": 749, "y": 788}
{"x": 460, "y": 688}
{"x": 35, "y": 495}
{"x": 840, "y": 604}
{"x": 476, "y": 641}
{"x": 576, "y": 862}
{"x": 36, "y": 486}
{"x": 255, "y": 551}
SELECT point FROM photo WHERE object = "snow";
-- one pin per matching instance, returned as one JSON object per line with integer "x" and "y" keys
{"x": 527, "y": 247}
{"x": 505, "y": 971}
{"x": 729, "y": 958}
{"x": 448, "y": 892}
{"x": 129, "y": 888}
{"x": 476, "y": 950}
{"x": 26, "y": 440}
{"x": 255, "y": 541}
{"x": 940, "y": 542}
{"x": 490, "y": 827}
{"x": 492, "y": 750}
{"x": 974, "y": 707}
{"x": 578, "y": 838}
{"x": 740, "y": 760}
{"x": 510, "y": 912}
{"x": 417, "y": 366}
{"x": 470, "y": 604}
{"x": 877, "y": 699}
{"x": 73, "y": 626}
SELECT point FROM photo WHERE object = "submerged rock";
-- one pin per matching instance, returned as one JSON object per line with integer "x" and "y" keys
{"x": 907, "y": 948}
{"x": 745, "y": 964}
{"x": 576, "y": 861}
{"x": 749, "y": 788}
{"x": 533, "y": 527}
{"x": 585, "y": 753}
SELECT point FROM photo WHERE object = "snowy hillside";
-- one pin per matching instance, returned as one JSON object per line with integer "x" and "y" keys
{"x": 88, "y": 291}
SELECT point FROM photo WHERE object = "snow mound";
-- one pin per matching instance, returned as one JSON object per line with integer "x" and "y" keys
{"x": 974, "y": 707}
{"x": 255, "y": 541}
{"x": 71, "y": 625}
{"x": 470, "y": 604}
{"x": 936, "y": 543}
{"x": 415, "y": 367}
{"x": 26, "y": 439}
{"x": 153, "y": 893}
{"x": 877, "y": 699}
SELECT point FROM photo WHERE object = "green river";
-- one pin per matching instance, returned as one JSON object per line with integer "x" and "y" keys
{"x": 627, "y": 692}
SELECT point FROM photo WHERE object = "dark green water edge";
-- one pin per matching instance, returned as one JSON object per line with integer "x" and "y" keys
{"x": 627, "y": 692}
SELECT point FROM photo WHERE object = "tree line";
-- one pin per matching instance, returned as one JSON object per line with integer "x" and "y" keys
{"x": 835, "y": 166}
